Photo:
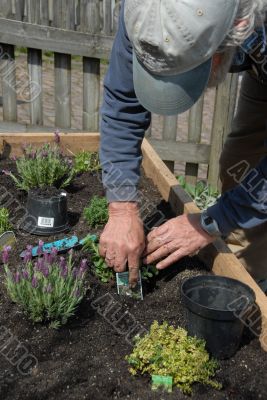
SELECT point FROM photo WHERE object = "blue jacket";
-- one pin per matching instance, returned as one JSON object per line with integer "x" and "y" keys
{"x": 123, "y": 125}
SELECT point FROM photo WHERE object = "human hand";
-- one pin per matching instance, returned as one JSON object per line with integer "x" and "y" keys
{"x": 123, "y": 239}
{"x": 177, "y": 238}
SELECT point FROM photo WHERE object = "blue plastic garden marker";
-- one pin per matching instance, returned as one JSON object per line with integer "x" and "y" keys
{"x": 61, "y": 245}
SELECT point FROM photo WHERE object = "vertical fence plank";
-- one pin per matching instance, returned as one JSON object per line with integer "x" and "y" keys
{"x": 63, "y": 90}
{"x": 44, "y": 12}
{"x": 222, "y": 119}
{"x": 91, "y": 94}
{"x": 6, "y": 9}
{"x": 19, "y": 9}
{"x": 64, "y": 14}
{"x": 35, "y": 84}
{"x": 107, "y": 8}
{"x": 194, "y": 136}
{"x": 8, "y": 77}
{"x": 90, "y": 22}
{"x": 34, "y": 11}
{"x": 169, "y": 133}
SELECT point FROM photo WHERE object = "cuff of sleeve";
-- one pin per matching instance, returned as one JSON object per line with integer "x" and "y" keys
{"x": 218, "y": 213}
{"x": 122, "y": 193}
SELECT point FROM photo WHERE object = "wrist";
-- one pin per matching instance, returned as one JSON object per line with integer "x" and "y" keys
{"x": 123, "y": 208}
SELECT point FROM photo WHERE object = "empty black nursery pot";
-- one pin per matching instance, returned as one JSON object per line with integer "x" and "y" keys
{"x": 217, "y": 308}
{"x": 47, "y": 213}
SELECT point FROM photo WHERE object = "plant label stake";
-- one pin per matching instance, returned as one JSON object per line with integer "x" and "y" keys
{"x": 7, "y": 239}
{"x": 164, "y": 382}
{"x": 61, "y": 245}
{"x": 124, "y": 288}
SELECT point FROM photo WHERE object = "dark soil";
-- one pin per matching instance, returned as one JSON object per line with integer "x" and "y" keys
{"x": 85, "y": 359}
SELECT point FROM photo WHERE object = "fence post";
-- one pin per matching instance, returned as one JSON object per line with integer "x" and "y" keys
{"x": 35, "y": 86}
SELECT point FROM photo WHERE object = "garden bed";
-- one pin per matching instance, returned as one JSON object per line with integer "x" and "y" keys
{"x": 85, "y": 359}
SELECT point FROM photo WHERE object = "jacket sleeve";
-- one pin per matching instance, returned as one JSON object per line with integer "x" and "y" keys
{"x": 245, "y": 206}
{"x": 123, "y": 123}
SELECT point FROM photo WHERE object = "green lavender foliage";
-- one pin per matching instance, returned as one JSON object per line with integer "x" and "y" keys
{"x": 42, "y": 168}
{"x": 86, "y": 161}
{"x": 168, "y": 351}
{"x": 48, "y": 290}
{"x": 203, "y": 195}
{"x": 96, "y": 214}
{"x": 4, "y": 220}
{"x": 106, "y": 274}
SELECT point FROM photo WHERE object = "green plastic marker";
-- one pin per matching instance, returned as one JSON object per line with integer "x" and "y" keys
{"x": 164, "y": 382}
{"x": 124, "y": 288}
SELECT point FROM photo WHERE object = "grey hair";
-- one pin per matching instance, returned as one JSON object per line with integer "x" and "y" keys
{"x": 253, "y": 11}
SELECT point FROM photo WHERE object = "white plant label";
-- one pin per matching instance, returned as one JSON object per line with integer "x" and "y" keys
{"x": 46, "y": 222}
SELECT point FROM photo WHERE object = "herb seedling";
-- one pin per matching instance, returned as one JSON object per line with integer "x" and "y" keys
{"x": 96, "y": 214}
{"x": 44, "y": 167}
{"x": 86, "y": 161}
{"x": 4, "y": 220}
{"x": 49, "y": 289}
{"x": 166, "y": 351}
{"x": 106, "y": 274}
{"x": 203, "y": 195}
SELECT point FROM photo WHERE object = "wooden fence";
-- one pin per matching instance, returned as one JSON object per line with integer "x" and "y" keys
{"x": 86, "y": 28}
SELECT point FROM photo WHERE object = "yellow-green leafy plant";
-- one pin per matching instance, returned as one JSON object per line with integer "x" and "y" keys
{"x": 96, "y": 214}
{"x": 4, "y": 220}
{"x": 86, "y": 161}
{"x": 169, "y": 351}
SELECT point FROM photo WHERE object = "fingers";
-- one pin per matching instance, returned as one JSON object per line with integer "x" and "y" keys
{"x": 163, "y": 251}
{"x": 161, "y": 230}
{"x": 171, "y": 259}
{"x": 133, "y": 265}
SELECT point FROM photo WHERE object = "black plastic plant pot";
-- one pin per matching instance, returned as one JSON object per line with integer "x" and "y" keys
{"x": 217, "y": 309}
{"x": 47, "y": 213}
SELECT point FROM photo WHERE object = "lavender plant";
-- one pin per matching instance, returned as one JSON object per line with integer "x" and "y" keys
{"x": 42, "y": 167}
{"x": 4, "y": 220}
{"x": 49, "y": 289}
{"x": 204, "y": 195}
{"x": 96, "y": 214}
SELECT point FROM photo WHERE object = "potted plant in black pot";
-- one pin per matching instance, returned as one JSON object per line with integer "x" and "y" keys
{"x": 43, "y": 173}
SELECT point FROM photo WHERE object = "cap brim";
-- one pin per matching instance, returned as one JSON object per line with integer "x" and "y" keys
{"x": 170, "y": 95}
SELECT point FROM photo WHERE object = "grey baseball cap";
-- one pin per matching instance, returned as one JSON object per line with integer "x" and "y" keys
{"x": 173, "y": 43}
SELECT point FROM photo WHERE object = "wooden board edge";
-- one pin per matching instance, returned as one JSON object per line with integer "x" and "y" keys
{"x": 217, "y": 256}
{"x": 11, "y": 144}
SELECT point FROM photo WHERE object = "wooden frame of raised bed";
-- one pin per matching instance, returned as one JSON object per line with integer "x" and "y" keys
{"x": 217, "y": 256}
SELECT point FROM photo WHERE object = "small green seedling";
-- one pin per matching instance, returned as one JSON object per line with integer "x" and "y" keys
{"x": 162, "y": 382}
{"x": 4, "y": 220}
{"x": 7, "y": 239}
{"x": 86, "y": 161}
{"x": 124, "y": 289}
{"x": 204, "y": 195}
{"x": 96, "y": 214}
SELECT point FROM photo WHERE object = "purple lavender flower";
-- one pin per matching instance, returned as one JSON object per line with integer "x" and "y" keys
{"x": 62, "y": 263}
{"x": 53, "y": 254}
{"x": 47, "y": 257}
{"x": 75, "y": 272}
{"x": 25, "y": 274}
{"x": 45, "y": 271}
{"x": 64, "y": 272}
{"x": 13, "y": 158}
{"x": 40, "y": 247}
{"x": 34, "y": 282}
{"x": 57, "y": 136}
{"x": 17, "y": 277}
{"x": 32, "y": 154}
{"x": 5, "y": 254}
{"x": 77, "y": 293}
{"x": 40, "y": 264}
{"x": 44, "y": 153}
{"x": 83, "y": 267}
{"x": 27, "y": 256}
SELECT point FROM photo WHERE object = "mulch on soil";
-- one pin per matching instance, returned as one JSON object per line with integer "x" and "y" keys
{"x": 85, "y": 359}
